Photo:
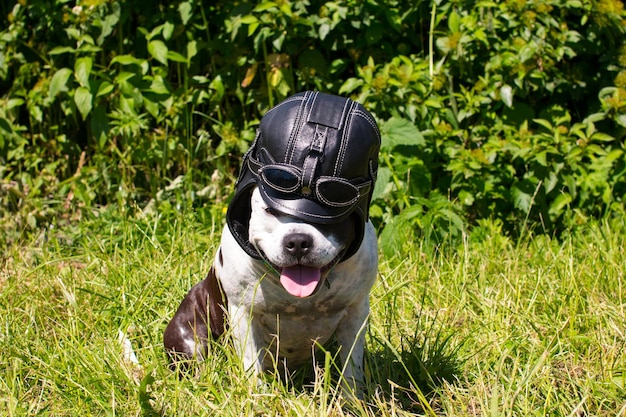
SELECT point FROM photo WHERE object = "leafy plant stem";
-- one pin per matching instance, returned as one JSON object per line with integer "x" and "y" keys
{"x": 38, "y": 53}
{"x": 205, "y": 21}
{"x": 396, "y": 180}
{"x": 270, "y": 95}
{"x": 532, "y": 203}
{"x": 431, "y": 44}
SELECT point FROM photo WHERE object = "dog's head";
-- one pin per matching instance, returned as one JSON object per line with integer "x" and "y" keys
{"x": 301, "y": 253}
{"x": 314, "y": 159}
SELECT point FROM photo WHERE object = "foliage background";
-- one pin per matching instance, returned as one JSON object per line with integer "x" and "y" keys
{"x": 506, "y": 115}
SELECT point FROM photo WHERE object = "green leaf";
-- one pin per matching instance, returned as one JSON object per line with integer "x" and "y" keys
{"x": 59, "y": 82}
{"x": 168, "y": 29}
{"x": 192, "y": 50}
{"x": 126, "y": 60}
{"x": 595, "y": 149}
{"x": 542, "y": 158}
{"x": 594, "y": 117}
{"x": 399, "y": 230}
{"x": 613, "y": 155}
{"x": 398, "y": 131}
{"x": 506, "y": 94}
{"x": 264, "y": 6}
{"x": 249, "y": 19}
{"x": 217, "y": 85}
{"x": 285, "y": 7}
{"x": 6, "y": 126}
{"x": 154, "y": 32}
{"x": 430, "y": 102}
{"x": 61, "y": 50}
{"x": 35, "y": 111}
{"x": 82, "y": 98}
{"x": 350, "y": 85}
{"x": 152, "y": 107}
{"x": 621, "y": 119}
{"x": 454, "y": 22}
{"x": 14, "y": 102}
{"x": 602, "y": 137}
{"x": 176, "y": 57}
{"x": 544, "y": 123}
{"x": 466, "y": 198}
{"x": 252, "y": 28}
{"x": 104, "y": 88}
{"x": 382, "y": 182}
{"x": 324, "y": 30}
{"x": 443, "y": 43}
{"x": 522, "y": 193}
{"x": 87, "y": 48}
{"x": 277, "y": 43}
{"x": 82, "y": 69}
{"x": 109, "y": 22}
{"x": 559, "y": 203}
{"x": 184, "y": 9}
{"x": 158, "y": 50}
{"x": 124, "y": 76}
{"x": 158, "y": 86}
{"x": 527, "y": 52}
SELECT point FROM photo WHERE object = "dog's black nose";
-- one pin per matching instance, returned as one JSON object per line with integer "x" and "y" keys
{"x": 298, "y": 244}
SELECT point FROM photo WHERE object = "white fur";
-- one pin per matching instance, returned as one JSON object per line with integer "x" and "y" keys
{"x": 267, "y": 232}
{"x": 265, "y": 319}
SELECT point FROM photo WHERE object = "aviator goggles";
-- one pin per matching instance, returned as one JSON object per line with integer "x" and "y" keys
{"x": 331, "y": 191}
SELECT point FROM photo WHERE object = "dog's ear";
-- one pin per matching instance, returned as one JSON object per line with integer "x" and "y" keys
{"x": 238, "y": 219}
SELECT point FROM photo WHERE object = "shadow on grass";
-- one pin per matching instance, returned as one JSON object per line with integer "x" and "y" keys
{"x": 408, "y": 372}
{"x": 411, "y": 372}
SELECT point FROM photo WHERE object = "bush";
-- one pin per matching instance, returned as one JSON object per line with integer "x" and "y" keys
{"x": 512, "y": 111}
{"x": 519, "y": 108}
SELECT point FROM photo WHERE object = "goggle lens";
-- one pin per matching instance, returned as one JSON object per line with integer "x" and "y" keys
{"x": 334, "y": 192}
{"x": 281, "y": 179}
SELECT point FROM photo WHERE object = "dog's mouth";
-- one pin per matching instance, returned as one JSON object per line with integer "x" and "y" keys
{"x": 302, "y": 280}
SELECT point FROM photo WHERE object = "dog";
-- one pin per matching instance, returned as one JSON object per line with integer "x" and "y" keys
{"x": 299, "y": 257}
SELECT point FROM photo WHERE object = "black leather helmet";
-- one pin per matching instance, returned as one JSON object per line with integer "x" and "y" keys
{"x": 315, "y": 157}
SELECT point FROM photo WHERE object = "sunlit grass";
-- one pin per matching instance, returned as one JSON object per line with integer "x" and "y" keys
{"x": 495, "y": 327}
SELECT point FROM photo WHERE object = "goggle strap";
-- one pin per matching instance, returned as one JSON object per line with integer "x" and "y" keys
{"x": 308, "y": 171}
{"x": 254, "y": 165}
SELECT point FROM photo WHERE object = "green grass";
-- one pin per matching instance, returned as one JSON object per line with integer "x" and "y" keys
{"x": 495, "y": 328}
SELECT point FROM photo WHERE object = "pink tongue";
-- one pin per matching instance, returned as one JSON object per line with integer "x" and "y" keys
{"x": 300, "y": 280}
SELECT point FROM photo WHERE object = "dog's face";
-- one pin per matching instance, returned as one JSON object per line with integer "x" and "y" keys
{"x": 302, "y": 253}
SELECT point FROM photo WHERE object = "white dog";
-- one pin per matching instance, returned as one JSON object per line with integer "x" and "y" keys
{"x": 298, "y": 260}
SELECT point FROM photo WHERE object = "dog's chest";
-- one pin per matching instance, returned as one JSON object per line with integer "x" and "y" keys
{"x": 290, "y": 326}
{"x": 294, "y": 327}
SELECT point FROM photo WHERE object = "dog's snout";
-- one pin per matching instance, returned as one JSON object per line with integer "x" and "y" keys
{"x": 298, "y": 244}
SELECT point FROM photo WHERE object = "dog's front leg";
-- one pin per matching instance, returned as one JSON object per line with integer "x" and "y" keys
{"x": 244, "y": 338}
{"x": 186, "y": 335}
{"x": 202, "y": 310}
{"x": 351, "y": 338}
